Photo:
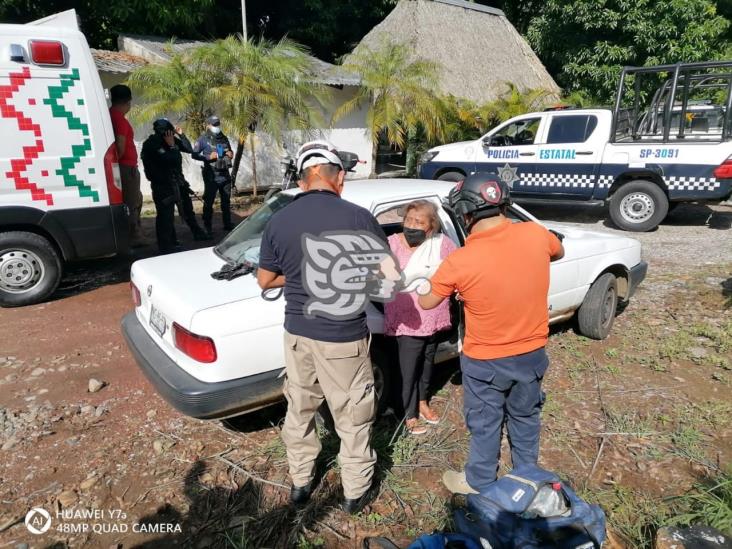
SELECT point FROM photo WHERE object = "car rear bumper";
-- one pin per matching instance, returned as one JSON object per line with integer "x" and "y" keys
{"x": 636, "y": 276}
{"x": 191, "y": 396}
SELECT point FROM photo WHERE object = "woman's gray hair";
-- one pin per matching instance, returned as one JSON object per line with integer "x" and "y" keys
{"x": 426, "y": 206}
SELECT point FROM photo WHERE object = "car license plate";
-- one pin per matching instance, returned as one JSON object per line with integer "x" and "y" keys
{"x": 157, "y": 321}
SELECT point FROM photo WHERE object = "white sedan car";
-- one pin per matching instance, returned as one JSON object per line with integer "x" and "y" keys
{"x": 214, "y": 348}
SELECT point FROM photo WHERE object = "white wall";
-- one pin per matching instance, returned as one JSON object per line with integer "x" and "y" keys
{"x": 349, "y": 134}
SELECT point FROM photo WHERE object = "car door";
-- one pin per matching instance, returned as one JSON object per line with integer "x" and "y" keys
{"x": 511, "y": 151}
{"x": 390, "y": 216}
{"x": 568, "y": 157}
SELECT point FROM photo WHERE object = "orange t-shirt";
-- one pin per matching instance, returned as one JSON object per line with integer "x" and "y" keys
{"x": 502, "y": 275}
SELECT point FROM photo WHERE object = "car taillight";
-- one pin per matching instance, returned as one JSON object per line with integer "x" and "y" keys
{"x": 135, "y": 294}
{"x": 47, "y": 52}
{"x": 197, "y": 347}
{"x": 111, "y": 171}
{"x": 724, "y": 170}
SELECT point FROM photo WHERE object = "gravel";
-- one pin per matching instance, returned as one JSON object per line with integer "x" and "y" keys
{"x": 691, "y": 236}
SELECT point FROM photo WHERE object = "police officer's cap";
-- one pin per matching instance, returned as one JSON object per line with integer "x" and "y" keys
{"x": 480, "y": 195}
{"x": 213, "y": 120}
{"x": 162, "y": 125}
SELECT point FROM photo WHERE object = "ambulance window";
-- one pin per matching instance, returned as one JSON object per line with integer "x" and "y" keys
{"x": 571, "y": 129}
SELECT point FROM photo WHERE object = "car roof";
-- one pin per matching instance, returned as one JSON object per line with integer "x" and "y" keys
{"x": 364, "y": 192}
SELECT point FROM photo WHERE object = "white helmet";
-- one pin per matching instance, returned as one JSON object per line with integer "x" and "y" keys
{"x": 317, "y": 152}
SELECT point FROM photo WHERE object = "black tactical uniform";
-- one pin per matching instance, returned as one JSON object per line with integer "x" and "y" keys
{"x": 216, "y": 175}
{"x": 163, "y": 168}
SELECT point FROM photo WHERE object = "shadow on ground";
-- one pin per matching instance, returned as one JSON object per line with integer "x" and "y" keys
{"x": 84, "y": 276}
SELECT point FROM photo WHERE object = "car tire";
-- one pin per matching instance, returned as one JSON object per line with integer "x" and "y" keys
{"x": 451, "y": 176}
{"x": 638, "y": 206}
{"x": 30, "y": 268}
{"x": 597, "y": 312}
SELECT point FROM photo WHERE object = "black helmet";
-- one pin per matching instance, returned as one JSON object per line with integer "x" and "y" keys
{"x": 162, "y": 125}
{"x": 480, "y": 195}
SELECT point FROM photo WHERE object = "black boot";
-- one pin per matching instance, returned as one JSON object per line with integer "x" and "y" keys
{"x": 354, "y": 506}
{"x": 301, "y": 494}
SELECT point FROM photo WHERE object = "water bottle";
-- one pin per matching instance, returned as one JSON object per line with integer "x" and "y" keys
{"x": 549, "y": 502}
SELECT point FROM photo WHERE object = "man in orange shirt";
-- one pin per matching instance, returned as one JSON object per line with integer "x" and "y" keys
{"x": 502, "y": 276}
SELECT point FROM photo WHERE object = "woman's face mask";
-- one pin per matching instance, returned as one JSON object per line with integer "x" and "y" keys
{"x": 214, "y": 129}
{"x": 414, "y": 237}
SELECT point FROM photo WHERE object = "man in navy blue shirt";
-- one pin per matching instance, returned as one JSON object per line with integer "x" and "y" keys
{"x": 327, "y": 356}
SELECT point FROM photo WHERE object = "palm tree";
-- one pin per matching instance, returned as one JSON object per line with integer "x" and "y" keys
{"x": 515, "y": 102}
{"x": 401, "y": 94}
{"x": 179, "y": 86}
{"x": 269, "y": 87}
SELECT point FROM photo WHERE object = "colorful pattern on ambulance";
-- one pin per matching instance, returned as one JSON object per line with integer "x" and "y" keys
{"x": 53, "y": 124}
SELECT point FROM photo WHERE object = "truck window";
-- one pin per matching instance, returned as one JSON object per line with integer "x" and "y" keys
{"x": 521, "y": 132}
{"x": 571, "y": 129}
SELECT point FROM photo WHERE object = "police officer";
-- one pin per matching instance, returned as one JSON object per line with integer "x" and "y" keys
{"x": 214, "y": 150}
{"x": 163, "y": 163}
{"x": 502, "y": 276}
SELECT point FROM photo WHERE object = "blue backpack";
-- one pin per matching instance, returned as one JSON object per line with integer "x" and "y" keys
{"x": 495, "y": 515}
{"x": 438, "y": 540}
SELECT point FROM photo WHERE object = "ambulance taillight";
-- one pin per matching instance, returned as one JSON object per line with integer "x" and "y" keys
{"x": 724, "y": 170}
{"x": 111, "y": 171}
{"x": 47, "y": 52}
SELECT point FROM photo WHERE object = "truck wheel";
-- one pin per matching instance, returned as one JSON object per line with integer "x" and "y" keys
{"x": 451, "y": 176}
{"x": 597, "y": 312}
{"x": 638, "y": 206}
{"x": 30, "y": 268}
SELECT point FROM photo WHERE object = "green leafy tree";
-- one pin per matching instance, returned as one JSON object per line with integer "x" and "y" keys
{"x": 401, "y": 95}
{"x": 585, "y": 43}
{"x": 268, "y": 86}
{"x": 102, "y": 21}
{"x": 179, "y": 87}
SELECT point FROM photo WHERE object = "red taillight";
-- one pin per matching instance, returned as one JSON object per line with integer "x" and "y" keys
{"x": 724, "y": 171}
{"x": 197, "y": 347}
{"x": 135, "y": 294}
{"x": 111, "y": 171}
{"x": 47, "y": 52}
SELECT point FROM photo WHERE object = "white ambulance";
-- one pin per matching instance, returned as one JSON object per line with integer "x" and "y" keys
{"x": 60, "y": 191}
{"x": 668, "y": 140}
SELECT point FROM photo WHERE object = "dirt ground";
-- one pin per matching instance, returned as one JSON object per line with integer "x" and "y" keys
{"x": 630, "y": 422}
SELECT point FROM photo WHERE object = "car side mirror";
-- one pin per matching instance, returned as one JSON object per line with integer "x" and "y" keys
{"x": 487, "y": 141}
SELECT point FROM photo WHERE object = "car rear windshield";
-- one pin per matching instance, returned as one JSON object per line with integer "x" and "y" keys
{"x": 242, "y": 244}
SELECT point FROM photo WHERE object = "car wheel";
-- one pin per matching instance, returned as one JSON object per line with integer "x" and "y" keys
{"x": 30, "y": 268}
{"x": 597, "y": 312}
{"x": 451, "y": 176}
{"x": 638, "y": 206}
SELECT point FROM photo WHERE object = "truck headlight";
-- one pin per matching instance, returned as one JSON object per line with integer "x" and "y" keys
{"x": 428, "y": 156}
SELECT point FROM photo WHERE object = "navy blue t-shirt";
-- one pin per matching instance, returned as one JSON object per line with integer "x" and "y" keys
{"x": 313, "y": 212}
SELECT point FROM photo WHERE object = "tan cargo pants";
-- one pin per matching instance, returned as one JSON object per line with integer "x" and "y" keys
{"x": 341, "y": 374}
{"x": 132, "y": 197}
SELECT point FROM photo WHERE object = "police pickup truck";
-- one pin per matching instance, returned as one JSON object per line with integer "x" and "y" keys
{"x": 654, "y": 150}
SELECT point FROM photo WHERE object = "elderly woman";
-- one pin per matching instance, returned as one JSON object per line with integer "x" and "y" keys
{"x": 420, "y": 248}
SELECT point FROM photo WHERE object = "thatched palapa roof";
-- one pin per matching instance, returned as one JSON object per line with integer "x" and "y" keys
{"x": 478, "y": 49}
{"x": 158, "y": 49}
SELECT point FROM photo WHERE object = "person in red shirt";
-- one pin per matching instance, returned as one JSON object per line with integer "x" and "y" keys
{"x": 124, "y": 137}
{"x": 502, "y": 277}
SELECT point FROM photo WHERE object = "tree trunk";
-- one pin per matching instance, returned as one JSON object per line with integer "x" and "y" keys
{"x": 237, "y": 162}
{"x": 374, "y": 153}
{"x": 254, "y": 164}
{"x": 411, "y": 166}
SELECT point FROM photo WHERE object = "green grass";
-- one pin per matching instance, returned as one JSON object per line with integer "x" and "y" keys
{"x": 628, "y": 422}
{"x": 709, "y": 504}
